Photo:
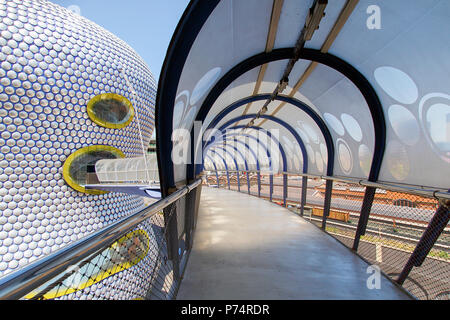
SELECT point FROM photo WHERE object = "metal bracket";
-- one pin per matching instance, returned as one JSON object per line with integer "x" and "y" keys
{"x": 316, "y": 13}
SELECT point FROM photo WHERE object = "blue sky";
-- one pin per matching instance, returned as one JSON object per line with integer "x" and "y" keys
{"x": 146, "y": 25}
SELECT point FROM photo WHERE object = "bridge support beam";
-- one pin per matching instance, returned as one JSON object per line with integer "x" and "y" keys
{"x": 271, "y": 187}
{"x": 259, "y": 184}
{"x": 285, "y": 189}
{"x": 304, "y": 195}
{"x": 171, "y": 231}
{"x": 327, "y": 203}
{"x": 364, "y": 215}
{"x": 429, "y": 238}
{"x": 238, "y": 181}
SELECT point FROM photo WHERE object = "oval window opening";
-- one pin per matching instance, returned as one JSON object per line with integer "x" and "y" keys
{"x": 77, "y": 166}
{"x": 111, "y": 110}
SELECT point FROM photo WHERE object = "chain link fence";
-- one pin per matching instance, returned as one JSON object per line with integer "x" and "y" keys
{"x": 141, "y": 260}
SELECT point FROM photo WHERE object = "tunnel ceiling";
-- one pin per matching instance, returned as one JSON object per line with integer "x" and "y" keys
{"x": 368, "y": 97}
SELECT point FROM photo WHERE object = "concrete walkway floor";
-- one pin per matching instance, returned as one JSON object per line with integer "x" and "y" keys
{"x": 249, "y": 248}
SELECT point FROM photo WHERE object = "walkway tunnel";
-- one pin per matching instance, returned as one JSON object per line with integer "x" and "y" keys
{"x": 292, "y": 138}
{"x": 330, "y": 112}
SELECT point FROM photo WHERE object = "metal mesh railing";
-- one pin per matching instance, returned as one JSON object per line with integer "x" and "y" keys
{"x": 139, "y": 258}
{"x": 314, "y": 201}
{"x": 406, "y": 234}
{"x": 346, "y": 203}
{"x": 133, "y": 267}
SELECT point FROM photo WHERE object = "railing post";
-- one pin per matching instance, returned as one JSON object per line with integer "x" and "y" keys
{"x": 217, "y": 178}
{"x": 238, "y": 181}
{"x": 189, "y": 217}
{"x": 366, "y": 207}
{"x": 428, "y": 239}
{"x": 52, "y": 270}
{"x": 228, "y": 180}
{"x": 171, "y": 225}
{"x": 271, "y": 187}
{"x": 248, "y": 182}
{"x": 304, "y": 195}
{"x": 192, "y": 204}
{"x": 259, "y": 184}
{"x": 198, "y": 193}
{"x": 327, "y": 203}
{"x": 285, "y": 189}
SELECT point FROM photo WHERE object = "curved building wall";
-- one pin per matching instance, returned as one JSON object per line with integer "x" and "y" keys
{"x": 52, "y": 63}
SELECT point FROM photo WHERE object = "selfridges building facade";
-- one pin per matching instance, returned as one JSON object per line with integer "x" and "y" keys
{"x": 70, "y": 93}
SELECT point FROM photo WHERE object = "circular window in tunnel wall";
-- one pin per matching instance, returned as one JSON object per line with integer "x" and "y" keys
{"x": 111, "y": 110}
{"x": 76, "y": 166}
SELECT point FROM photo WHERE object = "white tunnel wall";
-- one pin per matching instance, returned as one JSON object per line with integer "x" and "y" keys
{"x": 405, "y": 62}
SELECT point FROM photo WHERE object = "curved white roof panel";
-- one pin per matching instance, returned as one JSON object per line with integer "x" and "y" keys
{"x": 367, "y": 97}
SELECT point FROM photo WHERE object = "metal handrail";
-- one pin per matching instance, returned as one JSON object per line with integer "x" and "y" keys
{"x": 128, "y": 171}
{"x": 24, "y": 281}
{"x": 413, "y": 189}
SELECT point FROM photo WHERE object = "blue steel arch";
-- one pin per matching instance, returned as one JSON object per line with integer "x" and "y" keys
{"x": 249, "y": 149}
{"x": 215, "y": 168}
{"x": 237, "y": 152}
{"x": 212, "y": 161}
{"x": 235, "y": 162}
{"x": 246, "y": 163}
{"x": 280, "y": 146}
{"x": 223, "y": 160}
{"x": 281, "y": 149}
{"x": 258, "y": 141}
{"x": 294, "y": 102}
{"x": 188, "y": 28}
{"x": 226, "y": 166}
{"x": 234, "y": 137}
{"x": 283, "y": 153}
{"x": 358, "y": 79}
{"x": 280, "y": 122}
{"x": 227, "y": 152}
{"x": 172, "y": 70}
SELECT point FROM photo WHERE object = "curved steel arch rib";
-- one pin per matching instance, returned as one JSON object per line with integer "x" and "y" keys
{"x": 255, "y": 139}
{"x": 251, "y": 151}
{"x": 327, "y": 59}
{"x": 283, "y": 153}
{"x": 280, "y": 122}
{"x": 255, "y": 156}
{"x": 215, "y": 168}
{"x": 187, "y": 30}
{"x": 234, "y": 159}
{"x": 192, "y": 21}
{"x": 236, "y": 150}
{"x": 225, "y": 164}
{"x": 292, "y": 101}
{"x": 212, "y": 161}
{"x": 246, "y": 163}
{"x": 227, "y": 152}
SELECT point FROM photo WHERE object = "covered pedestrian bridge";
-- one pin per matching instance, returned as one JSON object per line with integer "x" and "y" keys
{"x": 267, "y": 252}
{"x": 302, "y": 147}
{"x": 332, "y": 109}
